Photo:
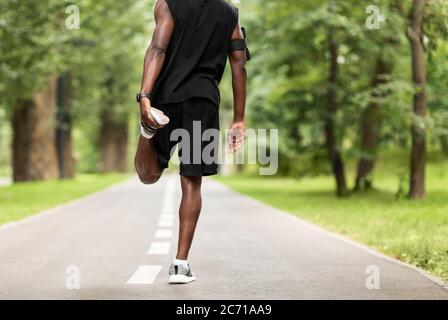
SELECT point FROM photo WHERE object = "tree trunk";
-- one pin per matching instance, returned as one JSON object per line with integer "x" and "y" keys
{"x": 330, "y": 126}
{"x": 64, "y": 146}
{"x": 113, "y": 143}
{"x": 34, "y": 152}
{"x": 418, "y": 152}
{"x": 370, "y": 128}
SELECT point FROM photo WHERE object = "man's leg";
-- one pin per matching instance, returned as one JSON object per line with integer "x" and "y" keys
{"x": 190, "y": 208}
{"x": 207, "y": 114}
{"x": 146, "y": 161}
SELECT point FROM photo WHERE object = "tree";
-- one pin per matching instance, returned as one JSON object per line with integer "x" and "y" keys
{"x": 29, "y": 64}
{"x": 370, "y": 126}
{"x": 332, "y": 107}
{"x": 64, "y": 145}
{"x": 436, "y": 32}
{"x": 107, "y": 69}
{"x": 113, "y": 143}
{"x": 418, "y": 151}
{"x": 113, "y": 135}
{"x": 384, "y": 44}
{"x": 34, "y": 153}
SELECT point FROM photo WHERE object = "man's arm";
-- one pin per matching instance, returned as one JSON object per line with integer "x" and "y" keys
{"x": 239, "y": 84}
{"x": 155, "y": 56}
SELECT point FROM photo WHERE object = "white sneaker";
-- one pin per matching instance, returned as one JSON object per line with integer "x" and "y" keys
{"x": 180, "y": 274}
{"x": 146, "y": 130}
{"x": 159, "y": 117}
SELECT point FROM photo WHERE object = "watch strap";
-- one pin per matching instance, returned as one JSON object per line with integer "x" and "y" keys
{"x": 143, "y": 95}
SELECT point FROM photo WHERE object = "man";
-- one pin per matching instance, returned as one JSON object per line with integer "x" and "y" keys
{"x": 182, "y": 70}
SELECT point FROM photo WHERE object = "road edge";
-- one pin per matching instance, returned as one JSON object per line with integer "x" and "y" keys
{"x": 61, "y": 207}
{"x": 289, "y": 215}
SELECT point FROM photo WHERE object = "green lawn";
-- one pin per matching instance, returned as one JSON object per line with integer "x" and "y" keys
{"x": 23, "y": 199}
{"x": 412, "y": 231}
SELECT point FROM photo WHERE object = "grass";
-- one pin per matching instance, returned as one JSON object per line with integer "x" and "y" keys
{"x": 412, "y": 231}
{"x": 20, "y": 200}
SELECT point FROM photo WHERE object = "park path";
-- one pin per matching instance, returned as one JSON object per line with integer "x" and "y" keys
{"x": 122, "y": 240}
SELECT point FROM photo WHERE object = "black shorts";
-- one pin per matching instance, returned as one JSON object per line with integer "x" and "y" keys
{"x": 198, "y": 152}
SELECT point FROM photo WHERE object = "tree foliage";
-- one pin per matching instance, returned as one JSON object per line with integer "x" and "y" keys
{"x": 289, "y": 74}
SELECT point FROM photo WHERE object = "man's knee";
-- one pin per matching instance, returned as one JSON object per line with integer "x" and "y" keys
{"x": 191, "y": 183}
{"x": 149, "y": 178}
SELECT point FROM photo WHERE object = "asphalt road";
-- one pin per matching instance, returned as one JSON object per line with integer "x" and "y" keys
{"x": 118, "y": 244}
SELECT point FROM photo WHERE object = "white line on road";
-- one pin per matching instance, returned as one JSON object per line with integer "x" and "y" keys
{"x": 159, "y": 248}
{"x": 163, "y": 233}
{"x": 167, "y": 216}
{"x": 166, "y": 223}
{"x": 148, "y": 274}
{"x": 145, "y": 275}
{"x": 167, "y": 211}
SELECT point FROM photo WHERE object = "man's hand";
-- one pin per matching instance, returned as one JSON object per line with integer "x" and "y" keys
{"x": 146, "y": 117}
{"x": 237, "y": 135}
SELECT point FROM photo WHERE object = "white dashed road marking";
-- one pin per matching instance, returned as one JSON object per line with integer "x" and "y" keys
{"x": 166, "y": 223}
{"x": 145, "y": 275}
{"x": 159, "y": 248}
{"x": 163, "y": 233}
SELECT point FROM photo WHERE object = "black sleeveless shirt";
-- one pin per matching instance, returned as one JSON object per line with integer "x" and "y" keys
{"x": 197, "y": 54}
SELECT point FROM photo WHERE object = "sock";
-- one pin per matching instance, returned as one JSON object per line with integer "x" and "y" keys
{"x": 147, "y": 133}
{"x": 180, "y": 262}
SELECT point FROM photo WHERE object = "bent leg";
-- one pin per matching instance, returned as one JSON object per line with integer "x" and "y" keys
{"x": 190, "y": 208}
{"x": 146, "y": 161}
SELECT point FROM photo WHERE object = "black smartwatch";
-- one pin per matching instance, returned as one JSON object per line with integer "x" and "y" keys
{"x": 141, "y": 95}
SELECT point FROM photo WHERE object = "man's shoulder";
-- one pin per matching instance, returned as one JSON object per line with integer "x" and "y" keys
{"x": 227, "y": 5}
{"x": 183, "y": 7}
{"x": 222, "y": 3}
{"x": 231, "y": 12}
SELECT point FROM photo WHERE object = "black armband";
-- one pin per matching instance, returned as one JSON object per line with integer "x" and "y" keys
{"x": 240, "y": 44}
